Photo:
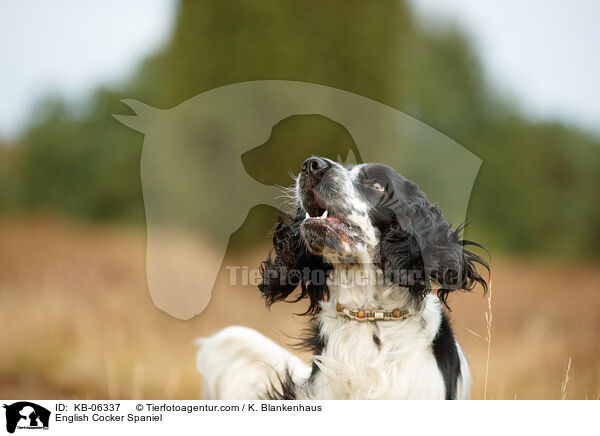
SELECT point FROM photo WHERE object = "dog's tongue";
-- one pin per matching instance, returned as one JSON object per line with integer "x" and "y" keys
{"x": 332, "y": 223}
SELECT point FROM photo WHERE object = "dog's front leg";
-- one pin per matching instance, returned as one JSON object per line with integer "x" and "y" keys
{"x": 240, "y": 363}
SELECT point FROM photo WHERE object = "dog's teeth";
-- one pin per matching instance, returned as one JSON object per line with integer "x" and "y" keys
{"x": 324, "y": 215}
{"x": 307, "y": 215}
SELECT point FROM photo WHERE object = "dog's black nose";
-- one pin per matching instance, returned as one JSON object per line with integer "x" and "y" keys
{"x": 315, "y": 166}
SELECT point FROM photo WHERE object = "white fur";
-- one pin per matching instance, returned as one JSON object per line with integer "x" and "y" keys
{"x": 352, "y": 366}
{"x": 239, "y": 363}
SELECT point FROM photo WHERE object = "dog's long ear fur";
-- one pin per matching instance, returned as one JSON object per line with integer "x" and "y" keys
{"x": 420, "y": 248}
{"x": 290, "y": 265}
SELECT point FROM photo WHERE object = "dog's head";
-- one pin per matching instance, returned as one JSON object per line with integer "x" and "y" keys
{"x": 367, "y": 214}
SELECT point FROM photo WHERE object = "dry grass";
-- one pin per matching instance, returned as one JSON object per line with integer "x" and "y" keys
{"x": 565, "y": 382}
{"x": 79, "y": 323}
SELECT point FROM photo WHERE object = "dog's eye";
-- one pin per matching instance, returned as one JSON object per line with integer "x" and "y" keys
{"x": 376, "y": 186}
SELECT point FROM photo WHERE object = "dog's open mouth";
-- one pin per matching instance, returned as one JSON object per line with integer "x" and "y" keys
{"x": 320, "y": 217}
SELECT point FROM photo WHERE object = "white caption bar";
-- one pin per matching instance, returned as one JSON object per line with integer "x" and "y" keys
{"x": 152, "y": 417}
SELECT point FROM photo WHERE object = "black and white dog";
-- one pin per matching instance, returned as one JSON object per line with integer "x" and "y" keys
{"x": 365, "y": 248}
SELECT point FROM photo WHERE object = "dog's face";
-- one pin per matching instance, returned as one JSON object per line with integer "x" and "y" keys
{"x": 366, "y": 214}
{"x": 348, "y": 209}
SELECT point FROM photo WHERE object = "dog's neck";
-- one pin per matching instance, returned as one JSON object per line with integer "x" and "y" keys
{"x": 349, "y": 350}
{"x": 362, "y": 286}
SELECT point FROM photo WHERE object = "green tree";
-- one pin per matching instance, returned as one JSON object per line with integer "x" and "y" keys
{"x": 537, "y": 190}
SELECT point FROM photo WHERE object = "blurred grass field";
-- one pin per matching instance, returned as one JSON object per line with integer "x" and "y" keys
{"x": 79, "y": 322}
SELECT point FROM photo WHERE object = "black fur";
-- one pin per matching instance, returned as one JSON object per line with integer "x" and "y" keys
{"x": 311, "y": 341}
{"x": 286, "y": 389}
{"x": 291, "y": 265}
{"x": 419, "y": 248}
{"x": 446, "y": 356}
{"x": 377, "y": 340}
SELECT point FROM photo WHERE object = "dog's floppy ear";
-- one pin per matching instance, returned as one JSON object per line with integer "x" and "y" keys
{"x": 290, "y": 265}
{"x": 420, "y": 248}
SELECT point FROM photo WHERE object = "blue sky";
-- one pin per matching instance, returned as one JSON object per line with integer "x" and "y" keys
{"x": 541, "y": 55}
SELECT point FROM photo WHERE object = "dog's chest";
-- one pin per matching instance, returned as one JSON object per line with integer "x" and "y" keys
{"x": 391, "y": 360}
